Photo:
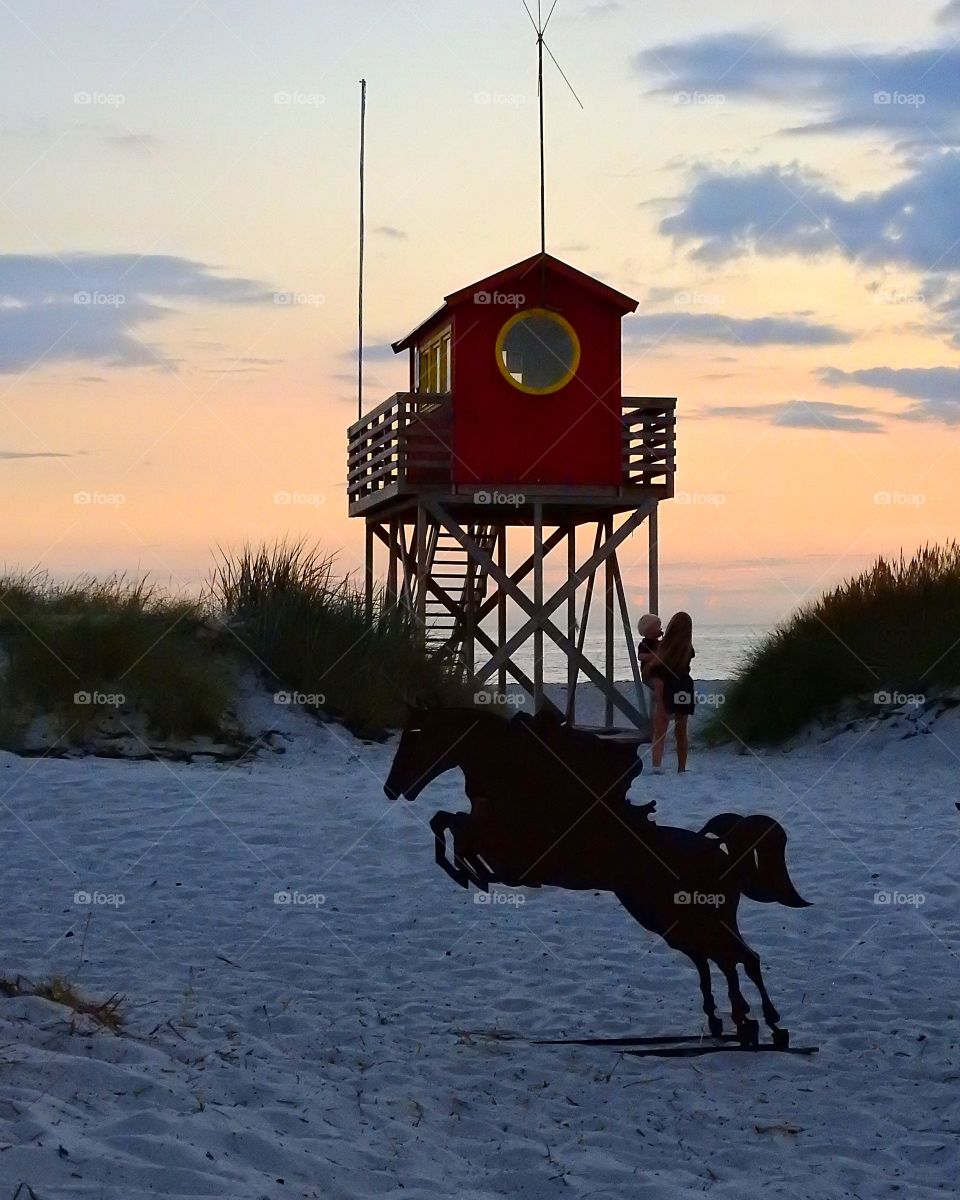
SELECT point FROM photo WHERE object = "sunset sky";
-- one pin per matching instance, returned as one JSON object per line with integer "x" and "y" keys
{"x": 177, "y": 284}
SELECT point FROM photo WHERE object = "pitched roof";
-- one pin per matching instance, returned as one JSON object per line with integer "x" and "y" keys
{"x": 513, "y": 274}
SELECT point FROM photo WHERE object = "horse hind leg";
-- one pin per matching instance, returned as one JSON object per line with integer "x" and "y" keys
{"x": 751, "y": 964}
{"x": 748, "y": 1030}
{"x": 706, "y": 990}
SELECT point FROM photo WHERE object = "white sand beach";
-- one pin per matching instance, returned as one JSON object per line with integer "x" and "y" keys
{"x": 352, "y": 1041}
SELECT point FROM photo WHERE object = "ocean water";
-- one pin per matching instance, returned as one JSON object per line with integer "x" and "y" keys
{"x": 720, "y": 649}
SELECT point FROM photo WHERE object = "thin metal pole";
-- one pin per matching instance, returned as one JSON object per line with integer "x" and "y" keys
{"x": 538, "y": 604}
{"x": 543, "y": 179}
{"x": 363, "y": 133}
{"x": 573, "y": 669}
{"x": 608, "y": 629}
{"x": 653, "y": 560}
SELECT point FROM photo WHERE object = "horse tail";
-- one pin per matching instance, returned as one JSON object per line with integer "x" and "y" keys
{"x": 757, "y": 847}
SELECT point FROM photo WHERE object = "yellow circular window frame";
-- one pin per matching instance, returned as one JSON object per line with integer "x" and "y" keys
{"x": 523, "y": 315}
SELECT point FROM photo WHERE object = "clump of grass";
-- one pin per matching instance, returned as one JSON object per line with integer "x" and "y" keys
{"x": 311, "y": 632}
{"x": 105, "y": 1013}
{"x": 91, "y": 649}
{"x": 891, "y": 630}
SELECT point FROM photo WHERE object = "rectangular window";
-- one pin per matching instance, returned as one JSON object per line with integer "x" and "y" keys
{"x": 434, "y": 363}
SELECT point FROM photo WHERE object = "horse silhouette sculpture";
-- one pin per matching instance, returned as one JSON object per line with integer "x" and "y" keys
{"x": 548, "y": 806}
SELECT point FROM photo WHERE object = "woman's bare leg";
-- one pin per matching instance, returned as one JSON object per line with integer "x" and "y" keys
{"x": 661, "y": 723}
{"x": 683, "y": 740}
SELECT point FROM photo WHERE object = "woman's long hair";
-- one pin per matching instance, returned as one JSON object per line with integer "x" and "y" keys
{"x": 676, "y": 649}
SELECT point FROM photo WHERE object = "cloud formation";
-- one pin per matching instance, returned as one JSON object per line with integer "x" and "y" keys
{"x": 911, "y": 94}
{"x": 777, "y": 210}
{"x": 90, "y": 307}
{"x": 804, "y": 414}
{"x": 661, "y": 328}
{"x": 934, "y": 390}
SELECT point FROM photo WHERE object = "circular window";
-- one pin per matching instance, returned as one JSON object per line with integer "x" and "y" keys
{"x": 538, "y": 351}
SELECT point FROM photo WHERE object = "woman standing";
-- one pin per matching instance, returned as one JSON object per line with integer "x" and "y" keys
{"x": 673, "y": 688}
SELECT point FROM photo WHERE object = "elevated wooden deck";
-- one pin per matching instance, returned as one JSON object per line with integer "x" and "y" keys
{"x": 403, "y": 449}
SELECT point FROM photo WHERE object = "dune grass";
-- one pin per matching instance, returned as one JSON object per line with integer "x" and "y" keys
{"x": 889, "y": 633}
{"x": 81, "y": 652}
{"x": 308, "y": 629}
{"x": 59, "y": 990}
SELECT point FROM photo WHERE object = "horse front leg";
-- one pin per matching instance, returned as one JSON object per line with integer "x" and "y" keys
{"x": 748, "y": 1030}
{"x": 440, "y": 822}
{"x": 466, "y": 867}
{"x": 751, "y": 964}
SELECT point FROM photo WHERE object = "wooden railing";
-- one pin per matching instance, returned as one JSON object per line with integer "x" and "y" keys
{"x": 649, "y": 442}
{"x": 406, "y": 443}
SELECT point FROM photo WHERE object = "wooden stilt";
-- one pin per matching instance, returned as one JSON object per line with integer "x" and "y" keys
{"x": 608, "y": 626}
{"x": 538, "y": 603}
{"x": 653, "y": 560}
{"x": 502, "y": 605}
{"x": 572, "y": 671}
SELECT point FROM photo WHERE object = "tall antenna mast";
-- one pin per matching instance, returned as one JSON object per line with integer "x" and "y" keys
{"x": 363, "y": 128}
{"x": 541, "y": 28}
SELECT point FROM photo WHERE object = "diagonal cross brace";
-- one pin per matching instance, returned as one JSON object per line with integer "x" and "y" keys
{"x": 541, "y": 619}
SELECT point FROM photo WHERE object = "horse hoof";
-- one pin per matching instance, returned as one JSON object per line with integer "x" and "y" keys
{"x": 716, "y": 1026}
{"x": 781, "y": 1038}
{"x": 748, "y": 1033}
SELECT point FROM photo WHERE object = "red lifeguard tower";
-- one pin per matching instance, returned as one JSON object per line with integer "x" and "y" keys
{"x": 513, "y": 433}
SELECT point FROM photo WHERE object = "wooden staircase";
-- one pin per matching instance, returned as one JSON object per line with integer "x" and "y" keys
{"x": 463, "y": 582}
